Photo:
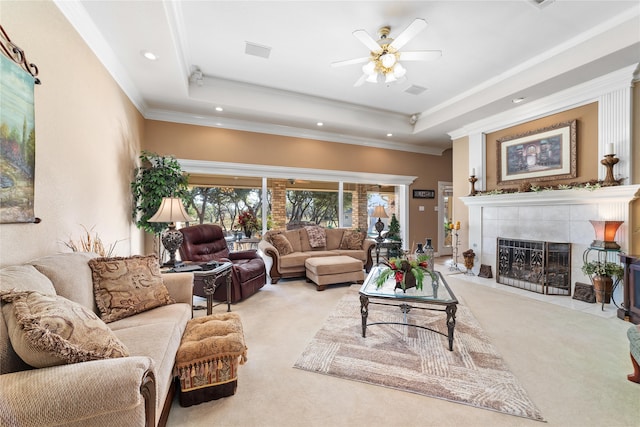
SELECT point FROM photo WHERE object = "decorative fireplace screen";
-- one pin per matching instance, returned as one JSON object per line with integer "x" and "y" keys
{"x": 542, "y": 267}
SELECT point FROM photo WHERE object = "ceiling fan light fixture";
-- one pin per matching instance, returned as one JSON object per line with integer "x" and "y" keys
{"x": 373, "y": 78}
{"x": 369, "y": 68}
{"x": 388, "y": 60}
{"x": 399, "y": 71}
{"x": 390, "y": 78}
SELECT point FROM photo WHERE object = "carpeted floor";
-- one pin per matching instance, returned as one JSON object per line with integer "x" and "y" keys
{"x": 572, "y": 363}
{"x": 416, "y": 360}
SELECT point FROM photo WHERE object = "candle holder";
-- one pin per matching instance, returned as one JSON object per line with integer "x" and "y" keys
{"x": 473, "y": 180}
{"x": 608, "y": 161}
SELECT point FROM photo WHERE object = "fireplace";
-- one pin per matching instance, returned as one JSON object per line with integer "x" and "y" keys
{"x": 543, "y": 267}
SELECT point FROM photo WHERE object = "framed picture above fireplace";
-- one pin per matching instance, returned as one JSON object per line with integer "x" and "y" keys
{"x": 547, "y": 154}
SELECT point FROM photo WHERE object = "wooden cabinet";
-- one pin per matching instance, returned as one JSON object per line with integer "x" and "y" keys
{"x": 630, "y": 309}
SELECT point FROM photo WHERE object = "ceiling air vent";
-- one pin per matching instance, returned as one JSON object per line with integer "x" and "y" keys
{"x": 257, "y": 50}
{"x": 415, "y": 90}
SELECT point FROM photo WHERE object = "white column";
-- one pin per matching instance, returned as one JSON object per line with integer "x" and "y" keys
{"x": 614, "y": 126}
{"x": 340, "y": 204}
{"x": 477, "y": 159}
{"x": 265, "y": 205}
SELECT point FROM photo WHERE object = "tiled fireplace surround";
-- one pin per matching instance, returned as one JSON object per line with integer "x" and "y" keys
{"x": 552, "y": 216}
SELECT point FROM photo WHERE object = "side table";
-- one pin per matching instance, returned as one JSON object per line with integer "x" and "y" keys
{"x": 207, "y": 274}
{"x": 392, "y": 246}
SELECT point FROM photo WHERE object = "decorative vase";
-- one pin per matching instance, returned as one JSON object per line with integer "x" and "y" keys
{"x": 430, "y": 252}
{"x": 248, "y": 233}
{"x": 409, "y": 282}
{"x": 419, "y": 251}
{"x": 603, "y": 285}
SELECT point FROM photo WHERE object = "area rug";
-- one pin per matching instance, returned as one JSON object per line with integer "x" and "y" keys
{"x": 417, "y": 360}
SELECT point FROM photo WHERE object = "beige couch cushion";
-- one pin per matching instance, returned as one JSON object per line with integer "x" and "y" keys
{"x": 70, "y": 275}
{"x": 293, "y": 236}
{"x": 125, "y": 286}
{"x": 334, "y": 237}
{"x": 49, "y": 330}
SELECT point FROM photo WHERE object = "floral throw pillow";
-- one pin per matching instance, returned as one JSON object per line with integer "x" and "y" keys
{"x": 50, "y": 330}
{"x": 125, "y": 286}
{"x": 352, "y": 240}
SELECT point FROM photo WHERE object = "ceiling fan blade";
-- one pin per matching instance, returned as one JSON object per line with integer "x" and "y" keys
{"x": 410, "y": 32}
{"x": 360, "y": 81}
{"x": 350, "y": 62}
{"x": 420, "y": 55}
{"x": 367, "y": 40}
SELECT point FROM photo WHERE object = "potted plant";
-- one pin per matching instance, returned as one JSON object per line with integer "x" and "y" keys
{"x": 407, "y": 273}
{"x": 601, "y": 273}
{"x": 157, "y": 177}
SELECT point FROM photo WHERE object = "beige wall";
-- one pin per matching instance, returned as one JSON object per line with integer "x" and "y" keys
{"x": 587, "y": 138}
{"x": 207, "y": 143}
{"x": 87, "y": 137}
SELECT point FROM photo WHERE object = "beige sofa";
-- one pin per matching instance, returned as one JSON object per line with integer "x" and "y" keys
{"x": 127, "y": 391}
{"x": 292, "y": 264}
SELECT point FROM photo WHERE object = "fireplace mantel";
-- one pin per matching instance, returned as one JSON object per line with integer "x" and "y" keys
{"x": 579, "y": 196}
{"x": 560, "y": 216}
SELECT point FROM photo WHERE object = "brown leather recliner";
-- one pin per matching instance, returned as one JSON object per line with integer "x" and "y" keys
{"x": 206, "y": 242}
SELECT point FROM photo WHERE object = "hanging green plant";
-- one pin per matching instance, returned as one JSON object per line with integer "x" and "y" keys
{"x": 157, "y": 177}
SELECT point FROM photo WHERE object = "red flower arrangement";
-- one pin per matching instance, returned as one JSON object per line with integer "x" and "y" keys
{"x": 248, "y": 221}
{"x": 400, "y": 268}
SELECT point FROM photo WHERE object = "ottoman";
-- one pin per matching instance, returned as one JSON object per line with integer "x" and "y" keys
{"x": 207, "y": 360}
{"x": 333, "y": 269}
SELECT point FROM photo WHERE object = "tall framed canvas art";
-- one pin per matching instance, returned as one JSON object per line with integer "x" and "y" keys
{"x": 17, "y": 136}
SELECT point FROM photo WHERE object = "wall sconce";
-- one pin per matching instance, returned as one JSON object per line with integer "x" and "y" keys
{"x": 605, "y": 234}
{"x": 379, "y": 212}
{"x": 171, "y": 210}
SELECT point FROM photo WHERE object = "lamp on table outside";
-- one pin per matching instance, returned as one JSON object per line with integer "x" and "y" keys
{"x": 171, "y": 210}
{"x": 379, "y": 212}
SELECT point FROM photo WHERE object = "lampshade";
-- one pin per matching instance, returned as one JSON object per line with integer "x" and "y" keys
{"x": 171, "y": 210}
{"x": 369, "y": 68}
{"x": 399, "y": 71}
{"x": 379, "y": 212}
{"x": 390, "y": 78}
{"x": 605, "y": 234}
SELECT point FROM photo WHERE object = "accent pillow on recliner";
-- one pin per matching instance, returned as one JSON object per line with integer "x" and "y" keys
{"x": 352, "y": 240}
{"x": 281, "y": 243}
{"x": 50, "y": 330}
{"x": 125, "y": 286}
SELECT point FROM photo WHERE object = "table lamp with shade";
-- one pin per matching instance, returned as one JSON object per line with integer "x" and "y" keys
{"x": 379, "y": 212}
{"x": 605, "y": 234}
{"x": 171, "y": 210}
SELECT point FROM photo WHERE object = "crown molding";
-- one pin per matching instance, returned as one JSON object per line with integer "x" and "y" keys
{"x": 572, "y": 97}
{"x": 283, "y": 172}
{"x": 289, "y": 131}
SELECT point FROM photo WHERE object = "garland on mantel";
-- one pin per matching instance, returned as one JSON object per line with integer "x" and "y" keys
{"x": 527, "y": 187}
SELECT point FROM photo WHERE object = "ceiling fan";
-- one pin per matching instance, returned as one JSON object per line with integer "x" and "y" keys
{"x": 383, "y": 62}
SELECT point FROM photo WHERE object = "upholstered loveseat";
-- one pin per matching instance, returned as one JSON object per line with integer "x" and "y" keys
{"x": 124, "y": 390}
{"x": 290, "y": 249}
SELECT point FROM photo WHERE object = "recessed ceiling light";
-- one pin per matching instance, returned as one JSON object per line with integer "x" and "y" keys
{"x": 149, "y": 55}
{"x": 219, "y": 109}
{"x": 517, "y": 100}
{"x": 389, "y": 134}
{"x": 320, "y": 124}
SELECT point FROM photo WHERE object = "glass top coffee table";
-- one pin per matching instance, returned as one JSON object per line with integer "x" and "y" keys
{"x": 433, "y": 294}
